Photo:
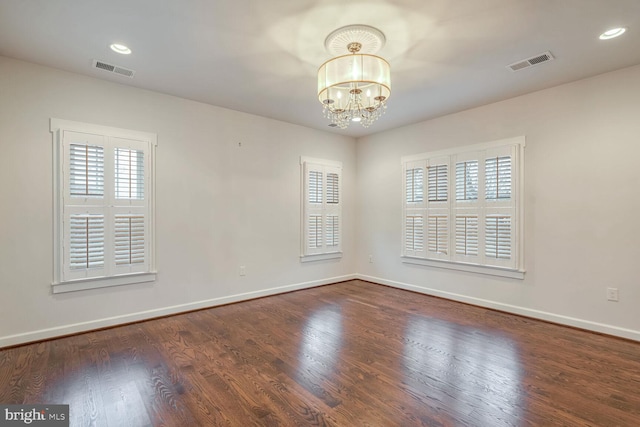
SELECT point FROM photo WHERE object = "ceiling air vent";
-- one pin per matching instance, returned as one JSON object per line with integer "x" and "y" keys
{"x": 530, "y": 62}
{"x": 116, "y": 69}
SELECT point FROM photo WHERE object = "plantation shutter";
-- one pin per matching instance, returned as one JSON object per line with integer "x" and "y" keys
{"x": 313, "y": 212}
{"x": 499, "y": 222}
{"x": 467, "y": 207}
{"x": 129, "y": 213}
{"x": 332, "y": 209}
{"x": 333, "y": 231}
{"x": 83, "y": 219}
{"x": 315, "y": 187}
{"x": 314, "y": 234}
{"x": 129, "y": 239}
{"x": 466, "y": 180}
{"x": 438, "y": 181}
{"x": 498, "y": 177}
{"x": 498, "y": 237}
{"x": 466, "y": 235}
{"x": 322, "y": 208}
{"x": 463, "y": 206}
{"x": 86, "y": 242}
{"x": 414, "y": 185}
{"x": 333, "y": 188}
{"x": 129, "y": 173}
{"x": 438, "y": 208}
{"x": 104, "y": 208}
{"x": 332, "y": 219}
{"x": 413, "y": 236}
{"x": 438, "y": 233}
{"x": 86, "y": 170}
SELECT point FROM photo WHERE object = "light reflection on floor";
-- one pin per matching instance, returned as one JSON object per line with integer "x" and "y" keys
{"x": 483, "y": 364}
{"x": 85, "y": 389}
{"x": 321, "y": 343}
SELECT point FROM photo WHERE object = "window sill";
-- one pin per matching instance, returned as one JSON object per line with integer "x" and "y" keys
{"x": 482, "y": 269}
{"x": 102, "y": 282}
{"x": 320, "y": 257}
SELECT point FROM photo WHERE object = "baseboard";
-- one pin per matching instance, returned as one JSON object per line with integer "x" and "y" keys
{"x": 75, "y": 328}
{"x": 43, "y": 334}
{"x": 536, "y": 314}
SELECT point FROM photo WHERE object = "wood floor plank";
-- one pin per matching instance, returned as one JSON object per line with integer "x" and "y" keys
{"x": 349, "y": 354}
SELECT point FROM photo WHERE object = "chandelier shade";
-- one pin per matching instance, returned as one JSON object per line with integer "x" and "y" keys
{"x": 338, "y": 76}
{"x": 354, "y": 87}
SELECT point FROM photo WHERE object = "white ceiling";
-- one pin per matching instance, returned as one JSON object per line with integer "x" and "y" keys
{"x": 261, "y": 56}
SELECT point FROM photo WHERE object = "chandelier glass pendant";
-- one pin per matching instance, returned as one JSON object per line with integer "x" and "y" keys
{"x": 354, "y": 86}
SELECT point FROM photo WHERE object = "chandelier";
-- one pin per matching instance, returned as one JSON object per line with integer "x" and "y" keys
{"x": 354, "y": 86}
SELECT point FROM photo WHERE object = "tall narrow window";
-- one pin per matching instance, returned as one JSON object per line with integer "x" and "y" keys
{"x": 473, "y": 208}
{"x": 104, "y": 209}
{"x": 321, "y": 209}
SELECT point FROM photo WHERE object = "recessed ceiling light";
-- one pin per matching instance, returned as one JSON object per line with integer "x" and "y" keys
{"x": 120, "y": 48}
{"x": 612, "y": 33}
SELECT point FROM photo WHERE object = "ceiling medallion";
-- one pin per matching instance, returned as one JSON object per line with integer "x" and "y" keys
{"x": 354, "y": 86}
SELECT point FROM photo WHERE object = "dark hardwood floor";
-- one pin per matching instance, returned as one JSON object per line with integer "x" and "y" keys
{"x": 349, "y": 354}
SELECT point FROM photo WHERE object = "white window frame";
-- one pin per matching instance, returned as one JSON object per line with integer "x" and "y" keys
{"x": 111, "y": 275}
{"x": 514, "y": 268}
{"x": 323, "y": 166}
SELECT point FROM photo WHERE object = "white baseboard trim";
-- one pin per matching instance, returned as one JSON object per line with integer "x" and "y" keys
{"x": 536, "y": 314}
{"x": 58, "y": 331}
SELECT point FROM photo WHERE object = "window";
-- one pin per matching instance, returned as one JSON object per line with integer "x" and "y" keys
{"x": 321, "y": 209}
{"x": 104, "y": 219}
{"x": 471, "y": 217}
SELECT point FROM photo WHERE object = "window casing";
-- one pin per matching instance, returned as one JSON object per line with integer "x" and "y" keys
{"x": 462, "y": 208}
{"x": 104, "y": 208}
{"x": 321, "y": 209}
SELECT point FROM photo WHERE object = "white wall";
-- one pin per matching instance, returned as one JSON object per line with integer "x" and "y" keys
{"x": 218, "y": 205}
{"x": 582, "y": 203}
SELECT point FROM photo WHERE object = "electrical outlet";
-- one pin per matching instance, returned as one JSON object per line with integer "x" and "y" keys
{"x": 371, "y": 259}
{"x": 242, "y": 270}
{"x": 612, "y": 294}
